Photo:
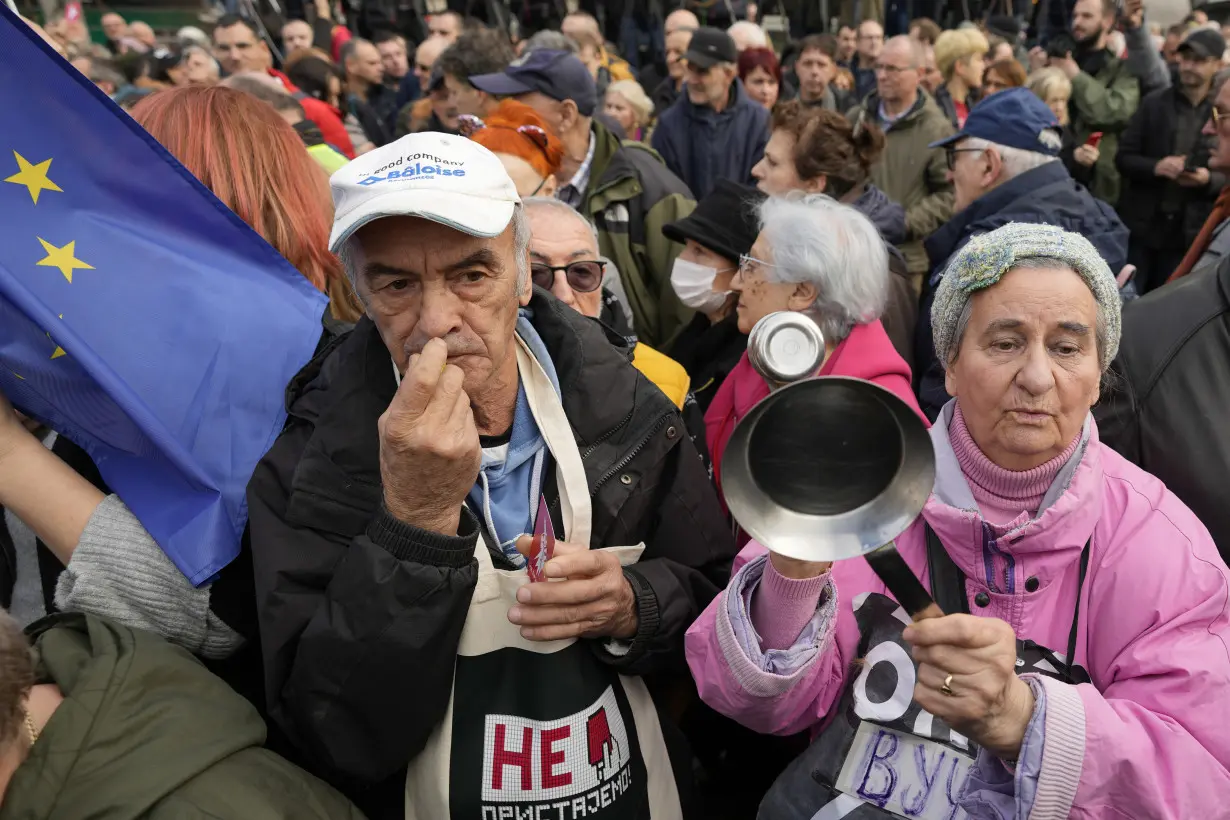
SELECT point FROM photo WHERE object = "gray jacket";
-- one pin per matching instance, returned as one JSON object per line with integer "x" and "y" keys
{"x": 1143, "y": 61}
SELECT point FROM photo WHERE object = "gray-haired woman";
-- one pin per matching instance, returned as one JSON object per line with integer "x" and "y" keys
{"x": 1055, "y": 558}
{"x": 819, "y": 257}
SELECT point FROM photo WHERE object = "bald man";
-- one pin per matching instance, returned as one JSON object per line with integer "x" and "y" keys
{"x": 911, "y": 173}
{"x": 680, "y": 19}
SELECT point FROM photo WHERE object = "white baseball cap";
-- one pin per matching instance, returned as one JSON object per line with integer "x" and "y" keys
{"x": 447, "y": 179}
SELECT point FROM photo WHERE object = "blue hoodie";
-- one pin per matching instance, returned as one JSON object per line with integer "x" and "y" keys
{"x": 505, "y": 498}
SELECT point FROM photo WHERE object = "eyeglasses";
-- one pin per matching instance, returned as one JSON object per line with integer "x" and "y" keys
{"x": 749, "y": 264}
{"x": 1217, "y": 116}
{"x": 950, "y": 154}
{"x": 583, "y": 277}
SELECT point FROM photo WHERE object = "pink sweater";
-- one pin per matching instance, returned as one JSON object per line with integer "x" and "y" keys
{"x": 781, "y": 606}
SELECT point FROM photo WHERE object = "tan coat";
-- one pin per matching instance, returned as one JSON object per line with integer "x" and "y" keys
{"x": 913, "y": 175}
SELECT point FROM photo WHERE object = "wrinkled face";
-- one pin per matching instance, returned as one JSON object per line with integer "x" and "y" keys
{"x": 870, "y": 41}
{"x": 776, "y": 173}
{"x": 114, "y": 27}
{"x": 619, "y": 109}
{"x": 697, "y": 253}
{"x": 558, "y": 240}
{"x": 969, "y": 175}
{"x": 1026, "y": 371}
{"x": 815, "y": 71}
{"x": 847, "y": 43}
{"x": 393, "y": 58}
{"x": 1088, "y": 24}
{"x": 897, "y": 77}
{"x": 421, "y": 280}
{"x": 296, "y": 35}
{"x": 238, "y": 49}
{"x": 970, "y": 70}
{"x": 709, "y": 86}
{"x": 365, "y": 64}
{"x": 464, "y": 97}
{"x": 676, "y": 46}
{"x": 762, "y": 87}
{"x": 1219, "y": 126}
{"x": 758, "y": 297}
{"x": 199, "y": 69}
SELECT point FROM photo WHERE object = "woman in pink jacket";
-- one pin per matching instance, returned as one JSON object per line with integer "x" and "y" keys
{"x": 1091, "y": 675}
{"x": 826, "y": 260}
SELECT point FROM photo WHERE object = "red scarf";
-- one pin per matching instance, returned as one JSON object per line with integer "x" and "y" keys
{"x": 1221, "y": 211}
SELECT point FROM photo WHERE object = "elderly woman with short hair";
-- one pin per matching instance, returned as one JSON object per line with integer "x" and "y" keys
{"x": 1083, "y": 668}
{"x": 826, "y": 260}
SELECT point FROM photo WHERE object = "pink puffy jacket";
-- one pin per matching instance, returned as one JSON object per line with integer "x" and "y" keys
{"x": 1151, "y": 737}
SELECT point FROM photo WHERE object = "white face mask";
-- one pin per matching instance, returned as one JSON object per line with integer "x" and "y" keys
{"x": 693, "y": 284}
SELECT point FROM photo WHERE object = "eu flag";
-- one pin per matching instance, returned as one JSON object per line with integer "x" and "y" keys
{"x": 139, "y": 316}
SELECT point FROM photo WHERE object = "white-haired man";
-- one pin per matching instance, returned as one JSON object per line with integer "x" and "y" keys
{"x": 392, "y": 520}
{"x": 1005, "y": 168}
{"x": 747, "y": 34}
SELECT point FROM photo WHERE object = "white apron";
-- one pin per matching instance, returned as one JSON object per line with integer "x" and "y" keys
{"x": 534, "y": 730}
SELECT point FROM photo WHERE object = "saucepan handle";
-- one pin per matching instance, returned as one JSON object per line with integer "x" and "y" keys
{"x": 902, "y": 582}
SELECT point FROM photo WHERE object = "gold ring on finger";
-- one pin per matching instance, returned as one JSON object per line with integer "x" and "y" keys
{"x": 947, "y": 687}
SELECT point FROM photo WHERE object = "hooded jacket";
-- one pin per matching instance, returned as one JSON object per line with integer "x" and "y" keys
{"x": 912, "y": 174}
{"x": 866, "y": 353}
{"x": 631, "y": 195}
{"x": 1147, "y": 738}
{"x": 901, "y": 311}
{"x": 145, "y": 731}
{"x": 701, "y": 145}
{"x": 360, "y": 614}
{"x": 1047, "y": 195}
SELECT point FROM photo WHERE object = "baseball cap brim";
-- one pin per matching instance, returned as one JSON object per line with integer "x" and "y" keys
{"x": 1196, "y": 48}
{"x": 702, "y": 60}
{"x": 501, "y": 85}
{"x": 473, "y": 215}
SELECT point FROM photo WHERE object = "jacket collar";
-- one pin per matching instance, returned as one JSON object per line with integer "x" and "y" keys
{"x": 871, "y": 105}
{"x": 941, "y": 244}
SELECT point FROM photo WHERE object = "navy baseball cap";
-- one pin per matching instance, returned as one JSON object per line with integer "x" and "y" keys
{"x": 1014, "y": 117}
{"x": 557, "y": 74}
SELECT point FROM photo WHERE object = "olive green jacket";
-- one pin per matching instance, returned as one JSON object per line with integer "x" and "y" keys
{"x": 631, "y": 194}
{"x": 912, "y": 174}
{"x": 1104, "y": 102}
{"x": 145, "y": 731}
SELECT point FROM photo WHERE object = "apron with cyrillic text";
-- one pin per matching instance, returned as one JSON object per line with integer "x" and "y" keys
{"x": 883, "y": 755}
{"x": 541, "y": 730}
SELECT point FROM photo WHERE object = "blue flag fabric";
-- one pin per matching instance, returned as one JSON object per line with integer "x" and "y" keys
{"x": 139, "y": 316}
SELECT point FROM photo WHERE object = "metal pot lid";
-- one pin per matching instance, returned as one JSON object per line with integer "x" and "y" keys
{"x": 785, "y": 346}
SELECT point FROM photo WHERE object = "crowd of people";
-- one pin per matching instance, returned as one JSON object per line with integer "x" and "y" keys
{"x": 544, "y": 252}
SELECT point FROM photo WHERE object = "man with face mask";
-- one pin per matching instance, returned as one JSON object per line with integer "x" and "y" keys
{"x": 1104, "y": 92}
{"x": 720, "y": 230}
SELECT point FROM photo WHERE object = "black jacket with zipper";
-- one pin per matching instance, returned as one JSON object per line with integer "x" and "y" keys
{"x": 361, "y": 614}
{"x": 1165, "y": 408}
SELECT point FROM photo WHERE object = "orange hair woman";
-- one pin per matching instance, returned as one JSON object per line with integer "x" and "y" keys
{"x": 243, "y": 151}
{"x": 520, "y": 138}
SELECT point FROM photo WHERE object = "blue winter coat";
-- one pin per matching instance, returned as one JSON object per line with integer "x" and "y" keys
{"x": 701, "y": 146}
{"x": 1046, "y": 195}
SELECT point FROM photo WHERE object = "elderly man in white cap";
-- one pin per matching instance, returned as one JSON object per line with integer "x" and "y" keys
{"x": 404, "y": 523}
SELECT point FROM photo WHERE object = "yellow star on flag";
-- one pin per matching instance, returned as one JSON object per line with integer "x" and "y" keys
{"x": 59, "y": 351}
{"x": 62, "y": 258}
{"x": 34, "y": 177}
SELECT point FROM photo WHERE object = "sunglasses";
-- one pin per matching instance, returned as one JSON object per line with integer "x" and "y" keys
{"x": 583, "y": 277}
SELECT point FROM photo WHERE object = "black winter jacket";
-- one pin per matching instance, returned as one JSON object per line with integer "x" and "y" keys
{"x": 1047, "y": 195}
{"x": 1166, "y": 410}
{"x": 1150, "y": 137}
{"x": 360, "y": 614}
